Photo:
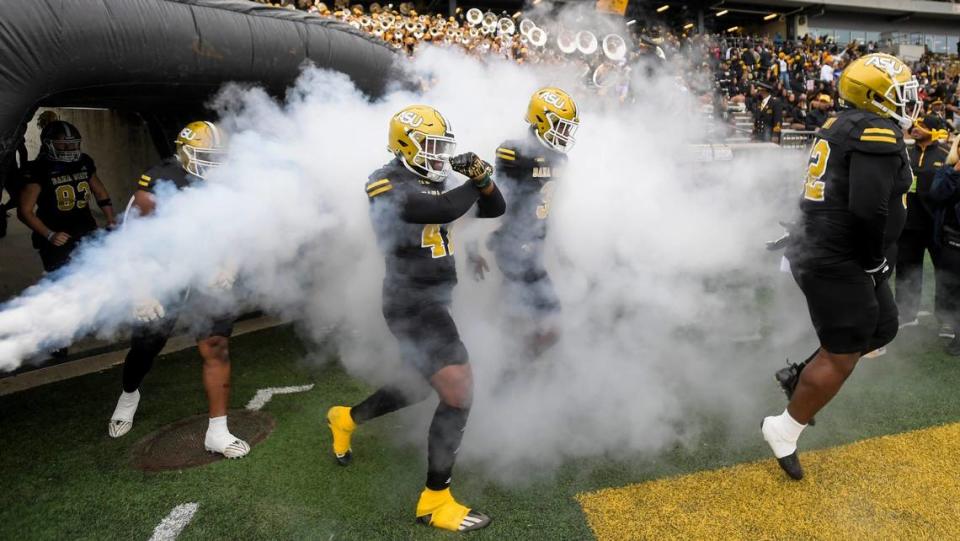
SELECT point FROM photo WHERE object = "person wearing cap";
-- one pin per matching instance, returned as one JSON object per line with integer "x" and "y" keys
{"x": 944, "y": 200}
{"x": 819, "y": 112}
{"x": 926, "y": 156}
{"x": 768, "y": 116}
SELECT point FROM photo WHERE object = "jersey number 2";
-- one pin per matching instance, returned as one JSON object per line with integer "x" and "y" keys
{"x": 432, "y": 238}
{"x": 67, "y": 197}
{"x": 813, "y": 187}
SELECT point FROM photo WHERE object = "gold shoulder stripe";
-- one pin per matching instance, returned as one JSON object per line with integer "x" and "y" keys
{"x": 507, "y": 151}
{"x": 828, "y": 123}
{"x": 144, "y": 183}
{"x": 506, "y": 157}
{"x": 879, "y": 131}
{"x": 379, "y": 191}
{"x": 377, "y": 184}
{"x": 145, "y": 177}
{"x": 878, "y": 139}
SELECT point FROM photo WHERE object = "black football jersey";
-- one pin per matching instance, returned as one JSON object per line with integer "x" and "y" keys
{"x": 526, "y": 172}
{"x": 829, "y": 232}
{"x": 65, "y": 193}
{"x": 924, "y": 162}
{"x": 169, "y": 170}
{"x": 416, "y": 254}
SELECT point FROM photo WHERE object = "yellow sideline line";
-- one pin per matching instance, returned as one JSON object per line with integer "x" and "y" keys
{"x": 904, "y": 486}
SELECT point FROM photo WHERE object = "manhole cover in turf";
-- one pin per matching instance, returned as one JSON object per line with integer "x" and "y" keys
{"x": 180, "y": 445}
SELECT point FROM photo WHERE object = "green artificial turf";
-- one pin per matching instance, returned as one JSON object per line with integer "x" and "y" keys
{"x": 64, "y": 478}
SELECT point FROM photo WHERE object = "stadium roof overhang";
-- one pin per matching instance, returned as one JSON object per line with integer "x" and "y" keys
{"x": 893, "y": 8}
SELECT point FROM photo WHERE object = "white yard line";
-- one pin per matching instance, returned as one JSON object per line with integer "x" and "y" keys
{"x": 264, "y": 395}
{"x": 174, "y": 523}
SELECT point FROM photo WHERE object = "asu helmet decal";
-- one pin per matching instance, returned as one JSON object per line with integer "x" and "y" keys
{"x": 423, "y": 140}
{"x": 882, "y": 84}
{"x": 201, "y": 146}
{"x": 554, "y": 117}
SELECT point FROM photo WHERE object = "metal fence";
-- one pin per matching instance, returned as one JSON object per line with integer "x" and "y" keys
{"x": 796, "y": 138}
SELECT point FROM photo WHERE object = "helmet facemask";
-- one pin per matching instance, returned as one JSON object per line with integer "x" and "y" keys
{"x": 560, "y": 135}
{"x": 63, "y": 150}
{"x": 905, "y": 99}
{"x": 432, "y": 159}
{"x": 200, "y": 161}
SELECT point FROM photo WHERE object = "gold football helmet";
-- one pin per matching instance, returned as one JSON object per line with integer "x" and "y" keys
{"x": 201, "y": 146}
{"x": 882, "y": 84}
{"x": 423, "y": 140}
{"x": 553, "y": 115}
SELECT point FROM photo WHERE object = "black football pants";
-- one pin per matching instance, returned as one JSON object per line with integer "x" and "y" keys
{"x": 909, "y": 278}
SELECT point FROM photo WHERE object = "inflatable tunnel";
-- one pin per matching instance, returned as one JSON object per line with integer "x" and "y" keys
{"x": 163, "y": 59}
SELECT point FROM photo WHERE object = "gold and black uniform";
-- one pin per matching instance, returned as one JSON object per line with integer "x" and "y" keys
{"x": 206, "y": 317}
{"x": 853, "y": 210}
{"x": 411, "y": 218}
{"x": 527, "y": 172}
{"x": 917, "y": 236}
{"x": 63, "y": 204}
{"x": 768, "y": 119}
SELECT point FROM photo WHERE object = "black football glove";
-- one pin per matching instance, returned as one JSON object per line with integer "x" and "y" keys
{"x": 880, "y": 274}
{"x": 471, "y": 166}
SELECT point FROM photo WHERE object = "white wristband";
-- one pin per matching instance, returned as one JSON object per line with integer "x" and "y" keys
{"x": 50, "y": 236}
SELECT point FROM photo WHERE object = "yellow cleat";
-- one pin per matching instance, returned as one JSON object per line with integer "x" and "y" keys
{"x": 342, "y": 427}
{"x": 437, "y": 508}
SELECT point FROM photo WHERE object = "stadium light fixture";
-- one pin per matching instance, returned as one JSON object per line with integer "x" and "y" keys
{"x": 733, "y": 29}
{"x": 688, "y": 26}
{"x": 663, "y": 8}
{"x": 722, "y": 12}
{"x": 771, "y": 16}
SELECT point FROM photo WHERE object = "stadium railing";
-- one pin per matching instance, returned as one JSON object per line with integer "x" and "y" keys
{"x": 796, "y": 138}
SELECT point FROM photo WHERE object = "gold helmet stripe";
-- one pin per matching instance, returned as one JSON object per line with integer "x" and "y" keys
{"x": 215, "y": 132}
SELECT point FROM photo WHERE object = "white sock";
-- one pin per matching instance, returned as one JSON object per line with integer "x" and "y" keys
{"x": 782, "y": 432}
{"x": 218, "y": 426}
{"x": 129, "y": 399}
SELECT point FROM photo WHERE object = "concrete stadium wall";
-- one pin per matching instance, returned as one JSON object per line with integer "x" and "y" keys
{"x": 118, "y": 142}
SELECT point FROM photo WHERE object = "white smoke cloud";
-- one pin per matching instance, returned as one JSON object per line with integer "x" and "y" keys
{"x": 656, "y": 260}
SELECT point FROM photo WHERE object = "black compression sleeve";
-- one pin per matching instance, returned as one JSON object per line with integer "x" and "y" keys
{"x": 491, "y": 205}
{"x": 421, "y": 208}
{"x": 871, "y": 182}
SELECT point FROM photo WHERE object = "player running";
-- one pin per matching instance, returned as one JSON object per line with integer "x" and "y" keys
{"x": 411, "y": 210}
{"x": 527, "y": 170}
{"x": 200, "y": 147}
{"x": 853, "y": 210}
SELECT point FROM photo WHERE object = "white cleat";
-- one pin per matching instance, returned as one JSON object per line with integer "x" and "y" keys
{"x": 226, "y": 444}
{"x": 122, "y": 419}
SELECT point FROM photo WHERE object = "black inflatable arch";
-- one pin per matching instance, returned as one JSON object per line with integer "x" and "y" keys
{"x": 157, "y": 57}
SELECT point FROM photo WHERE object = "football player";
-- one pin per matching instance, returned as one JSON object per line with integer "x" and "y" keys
{"x": 853, "y": 210}
{"x": 411, "y": 210}
{"x": 58, "y": 184}
{"x": 200, "y": 147}
{"x": 527, "y": 170}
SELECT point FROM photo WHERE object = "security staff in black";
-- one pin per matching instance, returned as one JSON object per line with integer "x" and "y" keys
{"x": 58, "y": 184}
{"x": 768, "y": 117}
{"x": 852, "y": 213}
{"x": 926, "y": 157}
{"x": 411, "y": 210}
{"x": 200, "y": 147}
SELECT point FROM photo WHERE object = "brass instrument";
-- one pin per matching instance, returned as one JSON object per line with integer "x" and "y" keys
{"x": 586, "y": 42}
{"x": 537, "y": 37}
{"x": 614, "y": 47}
{"x": 566, "y": 41}
{"x": 474, "y": 16}
{"x": 506, "y": 27}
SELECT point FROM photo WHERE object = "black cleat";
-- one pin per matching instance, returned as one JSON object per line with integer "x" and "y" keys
{"x": 788, "y": 377}
{"x": 953, "y": 348}
{"x": 791, "y": 465}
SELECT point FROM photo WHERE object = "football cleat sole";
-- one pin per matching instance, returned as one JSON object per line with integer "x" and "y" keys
{"x": 475, "y": 520}
{"x": 117, "y": 428}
